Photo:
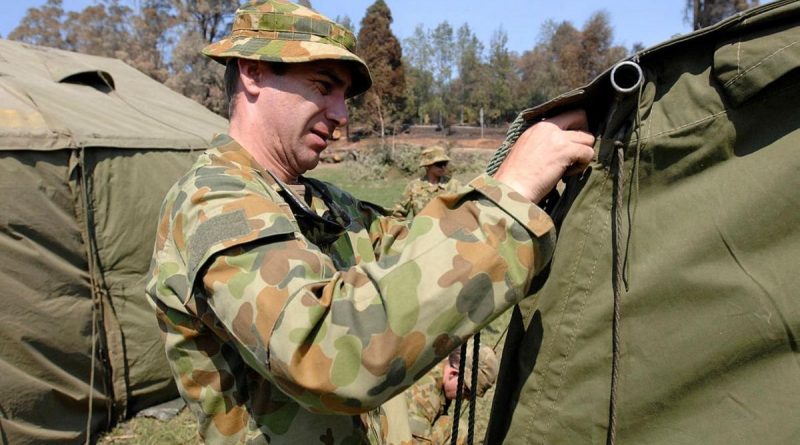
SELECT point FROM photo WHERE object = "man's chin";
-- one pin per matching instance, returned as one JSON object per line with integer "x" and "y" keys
{"x": 309, "y": 164}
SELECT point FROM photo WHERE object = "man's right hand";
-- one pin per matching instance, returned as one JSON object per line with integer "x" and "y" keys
{"x": 546, "y": 152}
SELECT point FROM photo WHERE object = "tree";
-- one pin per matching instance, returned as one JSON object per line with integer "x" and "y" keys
{"x": 42, "y": 26}
{"x": 198, "y": 23}
{"x": 418, "y": 55}
{"x": 209, "y": 18}
{"x": 152, "y": 39}
{"x": 306, "y": 3}
{"x": 443, "y": 54}
{"x": 597, "y": 51}
{"x": 708, "y": 12}
{"x": 502, "y": 106}
{"x": 381, "y": 50}
{"x": 472, "y": 86}
{"x": 108, "y": 29}
{"x": 566, "y": 58}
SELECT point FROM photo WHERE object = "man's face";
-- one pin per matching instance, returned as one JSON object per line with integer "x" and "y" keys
{"x": 300, "y": 109}
{"x": 450, "y": 382}
{"x": 437, "y": 170}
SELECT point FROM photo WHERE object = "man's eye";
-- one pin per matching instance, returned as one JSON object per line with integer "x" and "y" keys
{"x": 324, "y": 87}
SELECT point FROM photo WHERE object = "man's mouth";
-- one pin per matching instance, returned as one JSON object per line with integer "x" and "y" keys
{"x": 323, "y": 134}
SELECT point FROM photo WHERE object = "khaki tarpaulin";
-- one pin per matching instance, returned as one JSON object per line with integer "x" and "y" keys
{"x": 690, "y": 218}
{"x": 88, "y": 148}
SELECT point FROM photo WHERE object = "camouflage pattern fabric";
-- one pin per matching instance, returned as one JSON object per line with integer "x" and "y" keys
{"x": 388, "y": 424}
{"x": 419, "y": 192}
{"x": 281, "y": 31}
{"x": 277, "y": 332}
{"x": 433, "y": 154}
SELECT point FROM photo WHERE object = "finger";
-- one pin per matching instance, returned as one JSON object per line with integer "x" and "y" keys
{"x": 575, "y": 169}
{"x": 582, "y": 156}
{"x": 571, "y": 120}
{"x": 580, "y": 137}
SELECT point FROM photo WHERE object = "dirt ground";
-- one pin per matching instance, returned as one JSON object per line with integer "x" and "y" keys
{"x": 339, "y": 150}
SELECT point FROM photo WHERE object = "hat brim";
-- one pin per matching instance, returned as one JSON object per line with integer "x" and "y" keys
{"x": 291, "y": 51}
{"x": 436, "y": 159}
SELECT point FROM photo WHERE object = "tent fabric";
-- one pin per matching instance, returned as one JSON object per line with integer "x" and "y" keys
{"x": 53, "y": 99}
{"x": 698, "y": 226}
{"x": 79, "y": 344}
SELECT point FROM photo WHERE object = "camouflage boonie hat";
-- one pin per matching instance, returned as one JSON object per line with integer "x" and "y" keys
{"x": 487, "y": 367}
{"x": 281, "y": 31}
{"x": 432, "y": 155}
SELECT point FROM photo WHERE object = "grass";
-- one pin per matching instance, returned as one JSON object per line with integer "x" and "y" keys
{"x": 389, "y": 188}
{"x": 182, "y": 430}
{"x": 384, "y": 192}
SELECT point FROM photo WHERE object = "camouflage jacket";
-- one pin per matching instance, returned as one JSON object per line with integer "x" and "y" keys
{"x": 419, "y": 192}
{"x": 284, "y": 319}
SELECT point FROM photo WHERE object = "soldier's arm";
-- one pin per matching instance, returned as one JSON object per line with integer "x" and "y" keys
{"x": 345, "y": 341}
{"x": 403, "y": 207}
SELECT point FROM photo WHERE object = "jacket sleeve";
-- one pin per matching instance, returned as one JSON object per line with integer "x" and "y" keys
{"x": 402, "y": 209}
{"x": 344, "y": 341}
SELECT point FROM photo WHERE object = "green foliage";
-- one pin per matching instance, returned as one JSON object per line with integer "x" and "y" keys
{"x": 471, "y": 89}
{"x": 468, "y": 164}
{"x": 377, "y": 160}
{"x": 502, "y": 106}
{"x": 181, "y": 429}
{"x": 380, "y": 161}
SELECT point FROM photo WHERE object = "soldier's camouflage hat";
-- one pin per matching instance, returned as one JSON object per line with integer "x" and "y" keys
{"x": 432, "y": 155}
{"x": 281, "y": 31}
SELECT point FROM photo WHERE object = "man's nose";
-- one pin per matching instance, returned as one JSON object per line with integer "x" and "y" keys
{"x": 337, "y": 110}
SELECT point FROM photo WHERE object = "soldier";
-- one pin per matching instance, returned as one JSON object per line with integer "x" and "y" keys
{"x": 430, "y": 398}
{"x": 435, "y": 181}
{"x": 421, "y": 415}
{"x": 287, "y": 306}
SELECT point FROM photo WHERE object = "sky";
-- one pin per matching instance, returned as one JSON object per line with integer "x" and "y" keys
{"x": 646, "y": 21}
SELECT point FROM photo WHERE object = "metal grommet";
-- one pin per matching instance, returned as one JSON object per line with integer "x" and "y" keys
{"x": 626, "y": 76}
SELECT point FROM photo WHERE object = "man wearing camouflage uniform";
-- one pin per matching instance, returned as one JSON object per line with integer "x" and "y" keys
{"x": 288, "y": 307}
{"x": 435, "y": 181}
{"x": 429, "y": 399}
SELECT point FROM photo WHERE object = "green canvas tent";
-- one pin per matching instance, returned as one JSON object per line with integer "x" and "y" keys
{"x": 88, "y": 148}
{"x": 671, "y": 311}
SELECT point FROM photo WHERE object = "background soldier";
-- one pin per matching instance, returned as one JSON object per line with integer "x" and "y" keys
{"x": 429, "y": 400}
{"x": 420, "y": 191}
{"x": 422, "y": 414}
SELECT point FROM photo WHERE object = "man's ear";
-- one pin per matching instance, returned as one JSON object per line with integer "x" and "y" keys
{"x": 252, "y": 74}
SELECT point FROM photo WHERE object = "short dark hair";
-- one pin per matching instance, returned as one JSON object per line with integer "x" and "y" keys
{"x": 232, "y": 77}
